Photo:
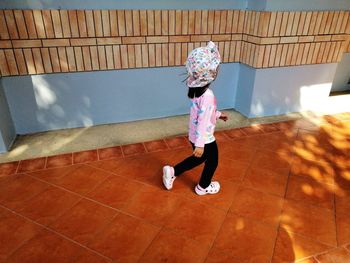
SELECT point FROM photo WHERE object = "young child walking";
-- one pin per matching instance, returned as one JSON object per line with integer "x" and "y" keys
{"x": 202, "y": 68}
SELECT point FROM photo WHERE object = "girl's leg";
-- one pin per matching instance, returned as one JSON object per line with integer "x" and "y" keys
{"x": 211, "y": 162}
{"x": 189, "y": 162}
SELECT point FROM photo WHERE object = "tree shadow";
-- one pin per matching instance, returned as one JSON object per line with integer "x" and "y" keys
{"x": 320, "y": 159}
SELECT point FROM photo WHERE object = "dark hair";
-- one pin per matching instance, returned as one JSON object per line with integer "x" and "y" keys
{"x": 196, "y": 92}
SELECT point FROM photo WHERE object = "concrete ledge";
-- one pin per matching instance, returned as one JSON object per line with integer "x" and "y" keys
{"x": 101, "y": 136}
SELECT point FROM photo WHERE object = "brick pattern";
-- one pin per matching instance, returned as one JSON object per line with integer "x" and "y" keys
{"x": 47, "y": 41}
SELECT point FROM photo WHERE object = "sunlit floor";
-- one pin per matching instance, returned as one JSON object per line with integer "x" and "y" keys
{"x": 285, "y": 198}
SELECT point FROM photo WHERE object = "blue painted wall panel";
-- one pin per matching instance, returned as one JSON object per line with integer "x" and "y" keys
{"x": 3, "y": 148}
{"x": 7, "y": 129}
{"x": 57, "y": 101}
{"x": 258, "y": 5}
{"x": 342, "y": 74}
{"x": 304, "y": 5}
{"x": 245, "y": 89}
{"x": 122, "y": 4}
{"x": 273, "y": 5}
{"x": 279, "y": 90}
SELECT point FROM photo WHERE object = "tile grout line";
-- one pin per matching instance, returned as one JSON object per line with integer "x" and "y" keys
{"x": 45, "y": 162}
{"x": 182, "y": 196}
{"x": 93, "y": 200}
{"x": 118, "y": 211}
{"x": 306, "y": 258}
{"x": 71, "y": 159}
{"x": 98, "y": 154}
{"x": 285, "y": 199}
{"x": 324, "y": 252}
{"x": 162, "y": 227}
{"x": 281, "y": 213}
{"x": 278, "y": 228}
{"x": 157, "y": 150}
{"x": 93, "y": 237}
{"x": 88, "y": 163}
{"x": 347, "y": 249}
{"x": 25, "y": 241}
{"x": 123, "y": 211}
{"x": 289, "y": 173}
{"x": 311, "y": 239}
{"x": 227, "y": 212}
{"x": 50, "y": 230}
{"x": 166, "y": 144}
{"x": 335, "y": 218}
{"x": 152, "y": 185}
{"x": 144, "y": 147}
{"x": 116, "y": 174}
{"x": 245, "y": 135}
{"x": 149, "y": 245}
{"x": 178, "y": 232}
{"x": 256, "y": 149}
{"x": 63, "y": 188}
{"x": 145, "y": 184}
{"x": 216, "y": 235}
{"x": 17, "y": 168}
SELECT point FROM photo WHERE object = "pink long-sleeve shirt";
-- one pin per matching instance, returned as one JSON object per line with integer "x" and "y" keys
{"x": 203, "y": 116}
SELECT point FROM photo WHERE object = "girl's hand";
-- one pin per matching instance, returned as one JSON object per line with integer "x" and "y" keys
{"x": 198, "y": 152}
{"x": 223, "y": 117}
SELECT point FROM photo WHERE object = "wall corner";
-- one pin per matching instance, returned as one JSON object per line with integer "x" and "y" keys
{"x": 7, "y": 128}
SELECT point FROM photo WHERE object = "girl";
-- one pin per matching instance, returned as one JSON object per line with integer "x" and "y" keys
{"x": 202, "y": 67}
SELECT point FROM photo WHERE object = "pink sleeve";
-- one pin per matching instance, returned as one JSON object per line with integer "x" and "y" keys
{"x": 204, "y": 115}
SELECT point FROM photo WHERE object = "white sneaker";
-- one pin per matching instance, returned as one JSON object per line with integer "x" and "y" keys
{"x": 213, "y": 188}
{"x": 168, "y": 177}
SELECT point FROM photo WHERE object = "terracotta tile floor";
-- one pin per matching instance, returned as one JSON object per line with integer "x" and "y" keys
{"x": 285, "y": 198}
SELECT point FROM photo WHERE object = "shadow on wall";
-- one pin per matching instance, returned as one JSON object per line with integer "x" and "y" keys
{"x": 125, "y": 4}
{"x": 51, "y": 112}
{"x": 58, "y": 101}
{"x": 39, "y": 107}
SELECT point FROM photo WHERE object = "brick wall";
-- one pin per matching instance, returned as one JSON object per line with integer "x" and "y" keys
{"x": 48, "y": 41}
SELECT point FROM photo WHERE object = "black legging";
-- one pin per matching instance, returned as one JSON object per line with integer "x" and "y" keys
{"x": 210, "y": 157}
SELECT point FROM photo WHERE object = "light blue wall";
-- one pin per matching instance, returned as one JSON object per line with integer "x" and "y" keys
{"x": 275, "y": 91}
{"x": 3, "y": 148}
{"x": 7, "y": 130}
{"x": 258, "y": 5}
{"x": 304, "y": 5}
{"x": 279, "y": 90}
{"x": 122, "y": 4}
{"x": 272, "y": 5}
{"x": 245, "y": 89}
{"x": 57, "y": 101}
{"x": 342, "y": 75}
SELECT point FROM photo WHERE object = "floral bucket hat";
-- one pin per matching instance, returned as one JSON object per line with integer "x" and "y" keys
{"x": 202, "y": 64}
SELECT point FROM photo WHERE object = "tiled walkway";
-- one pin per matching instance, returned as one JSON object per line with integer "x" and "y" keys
{"x": 285, "y": 197}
